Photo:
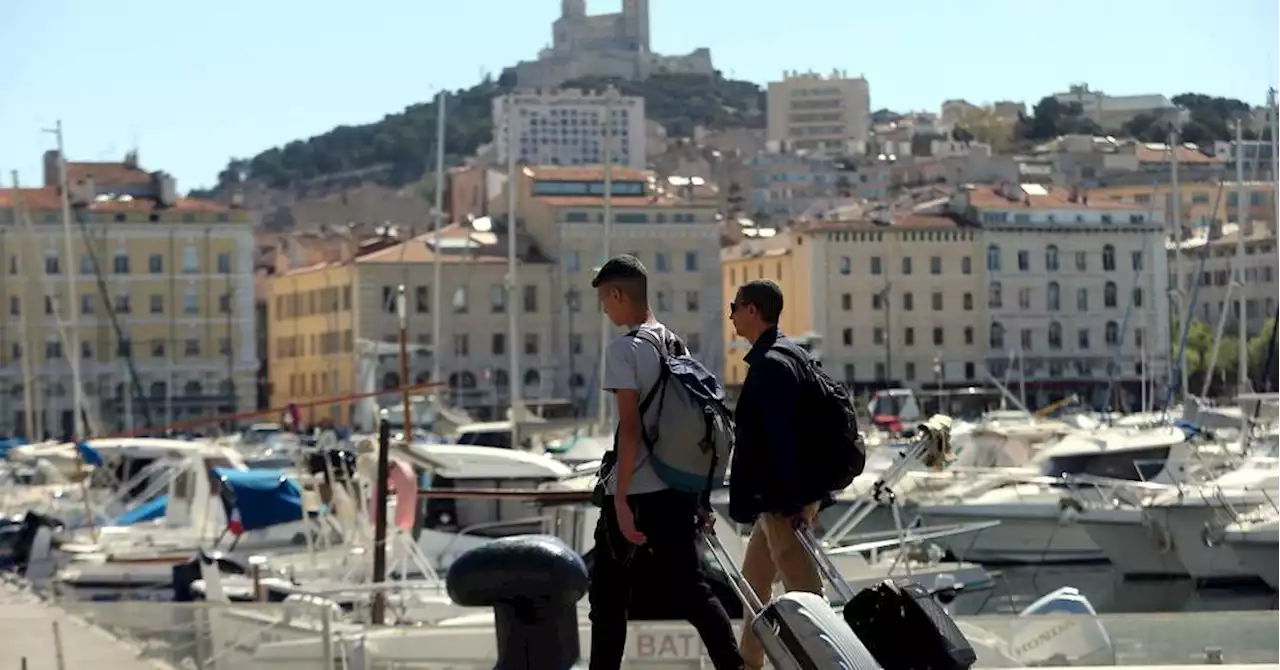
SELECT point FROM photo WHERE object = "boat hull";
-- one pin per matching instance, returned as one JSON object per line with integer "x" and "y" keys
{"x": 1029, "y": 533}
{"x": 1259, "y": 557}
{"x": 1188, "y": 526}
{"x": 1136, "y": 549}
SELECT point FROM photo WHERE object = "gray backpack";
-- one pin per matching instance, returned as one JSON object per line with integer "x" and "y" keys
{"x": 691, "y": 441}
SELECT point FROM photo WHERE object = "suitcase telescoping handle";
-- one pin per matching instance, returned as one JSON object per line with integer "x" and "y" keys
{"x": 825, "y": 565}
{"x": 736, "y": 581}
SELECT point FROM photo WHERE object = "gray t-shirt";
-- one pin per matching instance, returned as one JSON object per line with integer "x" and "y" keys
{"x": 633, "y": 363}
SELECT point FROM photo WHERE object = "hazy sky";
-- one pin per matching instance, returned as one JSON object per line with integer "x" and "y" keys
{"x": 195, "y": 83}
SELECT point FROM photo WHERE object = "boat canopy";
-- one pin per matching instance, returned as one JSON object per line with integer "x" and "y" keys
{"x": 263, "y": 498}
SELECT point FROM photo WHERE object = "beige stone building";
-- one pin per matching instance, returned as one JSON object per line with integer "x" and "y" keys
{"x": 329, "y": 320}
{"x": 1257, "y": 275}
{"x": 881, "y": 303}
{"x": 1076, "y": 292}
{"x": 673, "y": 227}
{"x": 159, "y": 319}
{"x": 830, "y": 115}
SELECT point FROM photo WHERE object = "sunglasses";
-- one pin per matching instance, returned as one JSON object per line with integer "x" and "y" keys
{"x": 734, "y": 307}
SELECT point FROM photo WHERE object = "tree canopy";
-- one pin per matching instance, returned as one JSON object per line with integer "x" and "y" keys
{"x": 400, "y": 147}
{"x": 1209, "y": 118}
{"x": 1200, "y": 337}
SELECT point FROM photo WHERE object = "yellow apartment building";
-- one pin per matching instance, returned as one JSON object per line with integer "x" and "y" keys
{"x": 154, "y": 303}
{"x": 333, "y": 330}
{"x": 778, "y": 258}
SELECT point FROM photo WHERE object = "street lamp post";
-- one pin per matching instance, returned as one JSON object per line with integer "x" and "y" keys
{"x": 571, "y": 301}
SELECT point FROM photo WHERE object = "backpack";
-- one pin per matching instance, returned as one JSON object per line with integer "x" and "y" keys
{"x": 834, "y": 451}
{"x": 692, "y": 439}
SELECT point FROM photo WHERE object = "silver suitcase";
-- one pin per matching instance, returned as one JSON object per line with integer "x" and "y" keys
{"x": 798, "y": 631}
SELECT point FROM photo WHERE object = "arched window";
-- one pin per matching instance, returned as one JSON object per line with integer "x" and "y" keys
{"x": 576, "y": 380}
{"x": 192, "y": 388}
{"x": 993, "y": 258}
{"x": 1051, "y": 258}
{"x": 532, "y": 378}
{"x": 1112, "y": 333}
{"x": 501, "y": 379}
{"x": 1053, "y": 297}
{"x": 422, "y": 377}
{"x": 1109, "y": 294}
{"x": 994, "y": 299}
{"x": 1082, "y": 299}
{"x": 997, "y": 336}
{"x": 468, "y": 380}
{"x": 390, "y": 381}
{"x": 1055, "y": 335}
{"x": 1108, "y": 258}
{"x": 846, "y": 265}
{"x": 158, "y": 389}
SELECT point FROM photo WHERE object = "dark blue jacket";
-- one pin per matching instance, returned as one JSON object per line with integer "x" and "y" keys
{"x": 765, "y": 475}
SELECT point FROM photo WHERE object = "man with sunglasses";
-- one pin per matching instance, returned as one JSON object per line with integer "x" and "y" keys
{"x": 765, "y": 489}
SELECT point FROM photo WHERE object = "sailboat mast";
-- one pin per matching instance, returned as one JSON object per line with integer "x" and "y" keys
{"x": 437, "y": 262}
{"x": 77, "y": 388}
{"x": 515, "y": 382}
{"x": 602, "y": 408}
{"x": 1274, "y": 112}
{"x": 1178, "y": 271}
{"x": 1242, "y": 221}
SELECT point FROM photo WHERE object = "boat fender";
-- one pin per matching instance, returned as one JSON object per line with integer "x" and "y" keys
{"x": 533, "y": 583}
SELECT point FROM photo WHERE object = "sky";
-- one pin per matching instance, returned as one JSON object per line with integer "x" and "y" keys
{"x": 191, "y": 84}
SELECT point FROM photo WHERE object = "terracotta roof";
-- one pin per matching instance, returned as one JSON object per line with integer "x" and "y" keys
{"x": 900, "y": 222}
{"x": 107, "y": 173}
{"x": 582, "y": 173}
{"x": 989, "y": 197}
{"x": 1159, "y": 153}
{"x": 618, "y": 201}
{"x": 46, "y": 198}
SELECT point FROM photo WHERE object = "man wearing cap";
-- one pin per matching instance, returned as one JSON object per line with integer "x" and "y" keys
{"x": 642, "y": 520}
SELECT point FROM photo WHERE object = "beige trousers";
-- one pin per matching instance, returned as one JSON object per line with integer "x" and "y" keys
{"x": 772, "y": 552}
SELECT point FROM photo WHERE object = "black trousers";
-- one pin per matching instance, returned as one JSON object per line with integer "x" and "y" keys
{"x": 672, "y": 553}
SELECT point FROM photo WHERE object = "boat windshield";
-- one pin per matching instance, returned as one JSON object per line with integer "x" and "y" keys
{"x": 1130, "y": 464}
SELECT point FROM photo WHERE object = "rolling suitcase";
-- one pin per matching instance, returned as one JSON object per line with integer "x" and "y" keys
{"x": 798, "y": 631}
{"x": 900, "y": 623}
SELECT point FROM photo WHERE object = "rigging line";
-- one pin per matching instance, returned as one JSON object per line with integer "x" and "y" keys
{"x": 122, "y": 335}
{"x": 1176, "y": 372}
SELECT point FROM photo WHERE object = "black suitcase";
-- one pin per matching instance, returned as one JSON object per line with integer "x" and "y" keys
{"x": 906, "y": 629}
{"x": 900, "y": 623}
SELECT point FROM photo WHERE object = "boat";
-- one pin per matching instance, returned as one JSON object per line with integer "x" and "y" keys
{"x": 1037, "y": 513}
{"x": 1254, "y": 543}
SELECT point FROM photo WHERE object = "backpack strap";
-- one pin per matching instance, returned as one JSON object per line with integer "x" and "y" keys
{"x": 661, "y": 348}
{"x": 796, "y": 354}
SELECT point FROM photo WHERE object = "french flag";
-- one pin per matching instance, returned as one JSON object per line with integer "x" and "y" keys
{"x": 235, "y": 525}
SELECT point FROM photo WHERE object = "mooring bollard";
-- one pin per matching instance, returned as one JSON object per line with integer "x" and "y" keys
{"x": 533, "y": 584}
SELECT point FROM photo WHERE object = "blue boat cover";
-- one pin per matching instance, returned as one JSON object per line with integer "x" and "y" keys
{"x": 148, "y": 511}
{"x": 264, "y": 498}
{"x": 88, "y": 454}
{"x": 10, "y": 442}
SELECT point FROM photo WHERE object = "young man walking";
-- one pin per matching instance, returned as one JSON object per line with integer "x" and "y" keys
{"x": 766, "y": 488}
{"x": 641, "y": 517}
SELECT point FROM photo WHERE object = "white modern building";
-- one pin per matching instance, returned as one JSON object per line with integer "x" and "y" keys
{"x": 567, "y": 127}
{"x": 831, "y": 115}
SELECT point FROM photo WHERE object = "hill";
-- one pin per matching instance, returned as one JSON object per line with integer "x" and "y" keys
{"x": 400, "y": 148}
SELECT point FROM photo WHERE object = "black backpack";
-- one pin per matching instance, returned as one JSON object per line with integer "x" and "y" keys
{"x": 834, "y": 451}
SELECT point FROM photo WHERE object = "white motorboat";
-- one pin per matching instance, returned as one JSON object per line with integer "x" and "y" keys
{"x": 1194, "y": 515}
{"x": 1254, "y": 542}
{"x": 1037, "y": 514}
